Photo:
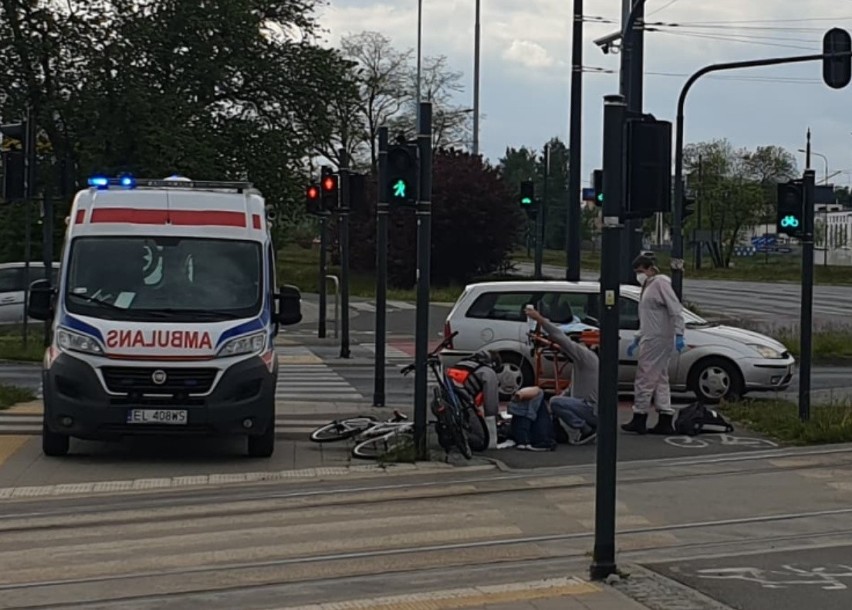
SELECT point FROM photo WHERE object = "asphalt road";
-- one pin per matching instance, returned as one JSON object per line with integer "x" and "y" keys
{"x": 762, "y": 303}
{"x": 230, "y": 543}
{"x": 818, "y": 578}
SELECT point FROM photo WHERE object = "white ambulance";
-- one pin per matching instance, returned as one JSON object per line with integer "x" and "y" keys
{"x": 164, "y": 315}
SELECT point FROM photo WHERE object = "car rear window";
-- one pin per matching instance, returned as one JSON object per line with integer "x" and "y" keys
{"x": 501, "y": 306}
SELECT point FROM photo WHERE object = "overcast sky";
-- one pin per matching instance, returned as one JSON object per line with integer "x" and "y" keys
{"x": 526, "y": 55}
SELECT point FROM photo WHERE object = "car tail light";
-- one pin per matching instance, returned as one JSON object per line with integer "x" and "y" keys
{"x": 447, "y": 332}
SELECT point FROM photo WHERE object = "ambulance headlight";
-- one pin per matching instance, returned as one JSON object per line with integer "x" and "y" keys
{"x": 75, "y": 342}
{"x": 250, "y": 344}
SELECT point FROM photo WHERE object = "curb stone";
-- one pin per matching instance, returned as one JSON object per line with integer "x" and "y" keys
{"x": 220, "y": 480}
{"x": 660, "y": 593}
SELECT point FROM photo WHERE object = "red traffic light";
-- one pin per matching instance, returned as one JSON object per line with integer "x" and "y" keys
{"x": 329, "y": 183}
{"x": 313, "y": 192}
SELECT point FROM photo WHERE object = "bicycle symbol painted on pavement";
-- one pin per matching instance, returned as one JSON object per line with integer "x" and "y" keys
{"x": 726, "y": 440}
{"x": 827, "y": 578}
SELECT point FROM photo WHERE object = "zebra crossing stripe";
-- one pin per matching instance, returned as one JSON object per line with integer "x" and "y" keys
{"x": 312, "y": 382}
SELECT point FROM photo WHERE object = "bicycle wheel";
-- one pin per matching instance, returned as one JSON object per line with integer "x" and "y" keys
{"x": 457, "y": 429}
{"x": 375, "y": 448}
{"x": 342, "y": 429}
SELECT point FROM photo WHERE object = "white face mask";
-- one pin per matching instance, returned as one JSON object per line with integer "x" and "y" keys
{"x": 641, "y": 277}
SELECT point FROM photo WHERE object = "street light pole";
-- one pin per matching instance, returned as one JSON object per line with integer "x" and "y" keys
{"x": 475, "y": 81}
{"x": 419, "y": 48}
{"x": 572, "y": 227}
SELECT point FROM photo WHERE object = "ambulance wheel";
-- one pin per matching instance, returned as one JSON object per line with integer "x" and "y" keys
{"x": 264, "y": 445}
{"x": 54, "y": 444}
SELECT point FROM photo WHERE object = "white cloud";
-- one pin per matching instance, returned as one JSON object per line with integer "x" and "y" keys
{"x": 521, "y": 41}
{"x": 529, "y": 54}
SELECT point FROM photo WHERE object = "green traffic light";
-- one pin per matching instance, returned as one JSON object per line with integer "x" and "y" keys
{"x": 600, "y": 196}
{"x": 399, "y": 188}
{"x": 526, "y": 201}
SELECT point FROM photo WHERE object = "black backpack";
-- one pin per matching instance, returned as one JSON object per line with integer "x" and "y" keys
{"x": 696, "y": 418}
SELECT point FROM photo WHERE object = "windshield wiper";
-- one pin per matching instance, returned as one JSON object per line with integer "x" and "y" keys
{"x": 201, "y": 313}
{"x": 91, "y": 299}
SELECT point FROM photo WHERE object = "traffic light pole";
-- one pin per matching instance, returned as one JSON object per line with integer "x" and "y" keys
{"x": 381, "y": 269}
{"x": 424, "y": 243}
{"x": 603, "y": 563}
{"x": 572, "y": 226}
{"x": 344, "y": 253}
{"x": 677, "y": 204}
{"x": 47, "y": 254}
{"x": 323, "y": 271}
{"x": 805, "y": 329}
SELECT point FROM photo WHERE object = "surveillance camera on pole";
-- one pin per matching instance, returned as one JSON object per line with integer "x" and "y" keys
{"x": 608, "y": 43}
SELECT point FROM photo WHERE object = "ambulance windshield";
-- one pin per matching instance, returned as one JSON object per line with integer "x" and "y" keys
{"x": 159, "y": 278}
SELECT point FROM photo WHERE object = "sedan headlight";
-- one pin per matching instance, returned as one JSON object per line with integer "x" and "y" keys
{"x": 250, "y": 344}
{"x": 76, "y": 342}
{"x": 766, "y": 351}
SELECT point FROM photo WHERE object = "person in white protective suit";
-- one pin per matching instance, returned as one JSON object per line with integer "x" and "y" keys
{"x": 660, "y": 333}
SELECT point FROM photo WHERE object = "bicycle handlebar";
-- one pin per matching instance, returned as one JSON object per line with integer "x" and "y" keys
{"x": 433, "y": 355}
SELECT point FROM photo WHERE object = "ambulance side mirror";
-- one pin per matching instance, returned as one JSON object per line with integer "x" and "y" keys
{"x": 289, "y": 306}
{"x": 40, "y": 305}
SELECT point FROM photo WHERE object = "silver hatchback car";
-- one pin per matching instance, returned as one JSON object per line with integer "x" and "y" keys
{"x": 719, "y": 361}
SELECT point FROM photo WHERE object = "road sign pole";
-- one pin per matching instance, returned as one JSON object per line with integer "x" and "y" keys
{"x": 603, "y": 563}
{"x": 343, "y": 206}
{"x": 805, "y": 329}
{"x": 323, "y": 271}
{"x": 424, "y": 243}
{"x": 381, "y": 269}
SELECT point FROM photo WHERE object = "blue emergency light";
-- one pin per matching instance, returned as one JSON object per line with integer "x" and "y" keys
{"x": 102, "y": 182}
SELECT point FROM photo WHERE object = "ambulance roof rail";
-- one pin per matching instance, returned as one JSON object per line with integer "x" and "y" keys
{"x": 129, "y": 182}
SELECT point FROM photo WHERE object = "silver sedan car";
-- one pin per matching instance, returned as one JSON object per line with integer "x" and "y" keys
{"x": 719, "y": 362}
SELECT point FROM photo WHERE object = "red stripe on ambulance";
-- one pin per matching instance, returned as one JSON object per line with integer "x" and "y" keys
{"x": 175, "y": 339}
{"x": 174, "y": 217}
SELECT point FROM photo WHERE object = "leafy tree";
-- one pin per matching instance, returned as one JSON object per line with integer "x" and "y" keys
{"x": 736, "y": 187}
{"x": 213, "y": 90}
{"x": 525, "y": 164}
{"x": 474, "y": 219}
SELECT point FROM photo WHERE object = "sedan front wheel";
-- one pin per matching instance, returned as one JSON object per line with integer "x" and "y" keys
{"x": 715, "y": 379}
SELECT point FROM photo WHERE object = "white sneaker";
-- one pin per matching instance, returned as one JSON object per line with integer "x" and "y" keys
{"x": 507, "y": 444}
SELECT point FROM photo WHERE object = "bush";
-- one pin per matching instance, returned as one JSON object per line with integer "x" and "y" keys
{"x": 474, "y": 223}
{"x": 11, "y": 395}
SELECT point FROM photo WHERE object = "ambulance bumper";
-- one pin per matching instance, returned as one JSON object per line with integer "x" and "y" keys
{"x": 242, "y": 403}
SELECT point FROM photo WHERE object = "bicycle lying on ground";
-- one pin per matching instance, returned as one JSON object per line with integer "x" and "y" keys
{"x": 373, "y": 437}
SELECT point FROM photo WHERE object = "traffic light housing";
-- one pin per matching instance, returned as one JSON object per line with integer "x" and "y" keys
{"x": 837, "y": 71}
{"x": 649, "y": 166}
{"x": 313, "y": 201}
{"x": 688, "y": 208}
{"x": 357, "y": 192}
{"x": 527, "y": 197}
{"x": 14, "y": 161}
{"x": 402, "y": 175}
{"x": 791, "y": 207}
{"x": 328, "y": 189}
{"x": 597, "y": 186}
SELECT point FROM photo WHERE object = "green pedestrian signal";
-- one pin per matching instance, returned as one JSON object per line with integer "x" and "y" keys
{"x": 399, "y": 189}
{"x": 401, "y": 173}
{"x": 526, "y": 201}
{"x": 600, "y": 197}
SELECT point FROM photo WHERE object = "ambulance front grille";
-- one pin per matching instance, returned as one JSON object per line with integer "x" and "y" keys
{"x": 133, "y": 380}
